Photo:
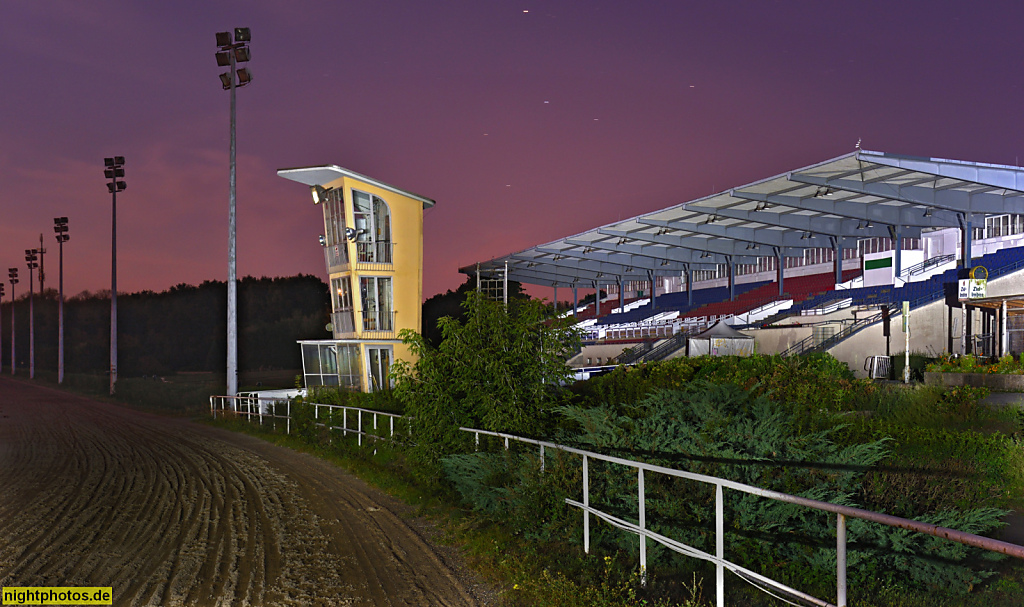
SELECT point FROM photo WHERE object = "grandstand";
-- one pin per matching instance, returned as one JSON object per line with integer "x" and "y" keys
{"x": 803, "y": 261}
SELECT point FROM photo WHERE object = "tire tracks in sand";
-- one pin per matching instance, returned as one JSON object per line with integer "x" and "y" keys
{"x": 173, "y": 513}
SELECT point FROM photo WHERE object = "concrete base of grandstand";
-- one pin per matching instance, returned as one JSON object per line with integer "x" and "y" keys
{"x": 992, "y": 381}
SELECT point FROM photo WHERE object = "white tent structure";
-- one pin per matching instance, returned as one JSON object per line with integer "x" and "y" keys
{"x": 720, "y": 340}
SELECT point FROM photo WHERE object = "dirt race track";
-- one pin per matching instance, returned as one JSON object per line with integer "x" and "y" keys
{"x": 169, "y": 512}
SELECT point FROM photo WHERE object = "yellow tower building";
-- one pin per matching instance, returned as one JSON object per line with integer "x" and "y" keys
{"x": 373, "y": 248}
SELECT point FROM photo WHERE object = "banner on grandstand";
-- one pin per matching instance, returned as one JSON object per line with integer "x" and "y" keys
{"x": 878, "y": 269}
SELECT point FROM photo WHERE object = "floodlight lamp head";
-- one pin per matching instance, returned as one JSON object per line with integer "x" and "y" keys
{"x": 323, "y": 240}
{"x": 928, "y": 212}
{"x": 319, "y": 193}
{"x": 223, "y": 58}
{"x": 223, "y": 38}
{"x": 242, "y": 54}
{"x": 109, "y": 162}
{"x": 225, "y": 80}
{"x": 244, "y": 76}
{"x": 243, "y": 34}
{"x": 350, "y": 233}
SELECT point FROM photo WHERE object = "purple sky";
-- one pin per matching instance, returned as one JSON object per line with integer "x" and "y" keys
{"x": 526, "y": 121}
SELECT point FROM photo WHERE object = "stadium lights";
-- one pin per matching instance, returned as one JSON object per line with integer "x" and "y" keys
{"x": 12, "y": 275}
{"x": 230, "y": 53}
{"x": 60, "y": 227}
{"x": 114, "y": 170}
{"x": 319, "y": 193}
{"x": 31, "y": 260}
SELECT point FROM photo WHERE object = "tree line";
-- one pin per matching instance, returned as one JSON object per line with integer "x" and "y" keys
{"x": 181, "y": 329}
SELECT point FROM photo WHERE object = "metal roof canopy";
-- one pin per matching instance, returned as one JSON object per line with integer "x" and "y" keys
{"x": 320, "y": 175}
{"x": 832, "y": 204}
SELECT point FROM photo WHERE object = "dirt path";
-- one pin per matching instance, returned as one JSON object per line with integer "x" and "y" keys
{"x": 173, "y": 513}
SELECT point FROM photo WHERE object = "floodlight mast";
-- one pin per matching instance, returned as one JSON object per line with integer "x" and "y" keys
{"x": 31, "y": 260}
{"x": 12, "y": 275}
{"x": 1, "y": 323}
{"x": 230, "y": 54}
{"x": 60, "y": 227}
{"x": 113, "y": 170}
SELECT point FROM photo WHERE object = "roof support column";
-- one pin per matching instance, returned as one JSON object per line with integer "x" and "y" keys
{"x": 654, "y": 290}
{"x": 556, "y": 298}
{"x": 895, "y": 232}
{"x": 965, "y": 239}
{"x": 597, "y": 300}
{"x": 1004, "y": 346}
{"x": 689, "y": 284}
{"x": 575, "y": 302}
{"x": 622, "y": 296}
{"x": 778, "y": 268}
{"x": 837, "y": 253}
{"x": 732, "y": 277}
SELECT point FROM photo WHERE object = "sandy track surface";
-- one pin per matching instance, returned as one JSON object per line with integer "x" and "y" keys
{"x": 173, "y": 513}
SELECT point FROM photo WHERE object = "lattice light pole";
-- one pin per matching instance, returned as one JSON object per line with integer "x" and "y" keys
{"x": 114, "y": 171}
{"x": 231, "y": 53}
{"x": 60, "y": 226}
{"x": 12, "y": 275}
{"x": 31, "y": 260}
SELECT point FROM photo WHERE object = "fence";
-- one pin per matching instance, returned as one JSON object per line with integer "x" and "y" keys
{"x": 763, "y": 583}
{"x": 245, "y": 405}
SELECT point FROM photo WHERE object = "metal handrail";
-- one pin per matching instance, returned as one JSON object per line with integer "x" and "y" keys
{"x": 721, "y": 563}
{"x": 841, "y": 512}
{"x": 927, "y": 264}
{"x": 635, "y": 353}
{"x": 667, "y": 347}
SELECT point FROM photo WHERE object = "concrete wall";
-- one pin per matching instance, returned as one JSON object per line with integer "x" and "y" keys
{"x": 602, "y": 351}
{"x": 929, "y": 329}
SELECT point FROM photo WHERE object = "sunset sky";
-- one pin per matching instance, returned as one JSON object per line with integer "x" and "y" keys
{"x": 526, "y": 121}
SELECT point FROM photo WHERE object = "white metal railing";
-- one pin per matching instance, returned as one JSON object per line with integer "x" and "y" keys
{"x": 721, "y": 564}
{"x": 249, "y": 407}
{"x": 759, "y": 581}
{"x": 358, "y": 429}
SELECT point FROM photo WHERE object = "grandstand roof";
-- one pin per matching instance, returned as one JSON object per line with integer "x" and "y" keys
{"x": 831, "y": 204}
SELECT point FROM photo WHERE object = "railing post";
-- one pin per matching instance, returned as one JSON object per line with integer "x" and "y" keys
{"x": 841, "y": 560}
{"x": 641, "y": 499}
{"x": 719, "y": 545}
{"x": 392, "y": 426}
{"x": 586, "y": 507}
{"x": 476, "y": 441}
{"x": 506, "y": 443}
{"x": 359, "y": 425}
{"x": 542, "y": 459}
{"x": 288, "y": 425}
{"x": 344, "y": 421}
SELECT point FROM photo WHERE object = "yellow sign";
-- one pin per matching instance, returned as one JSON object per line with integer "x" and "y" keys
{"x": 58, "y": 595}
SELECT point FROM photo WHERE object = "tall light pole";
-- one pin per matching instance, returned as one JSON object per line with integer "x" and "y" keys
{"x": 230, "y": 54}
{"x": 12, "y": 275}
{"x": 1, "y": 321}
{"x": 60, "y": 226}
{"x": 113, "y": 170}
{"x": 31, "y": 261}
